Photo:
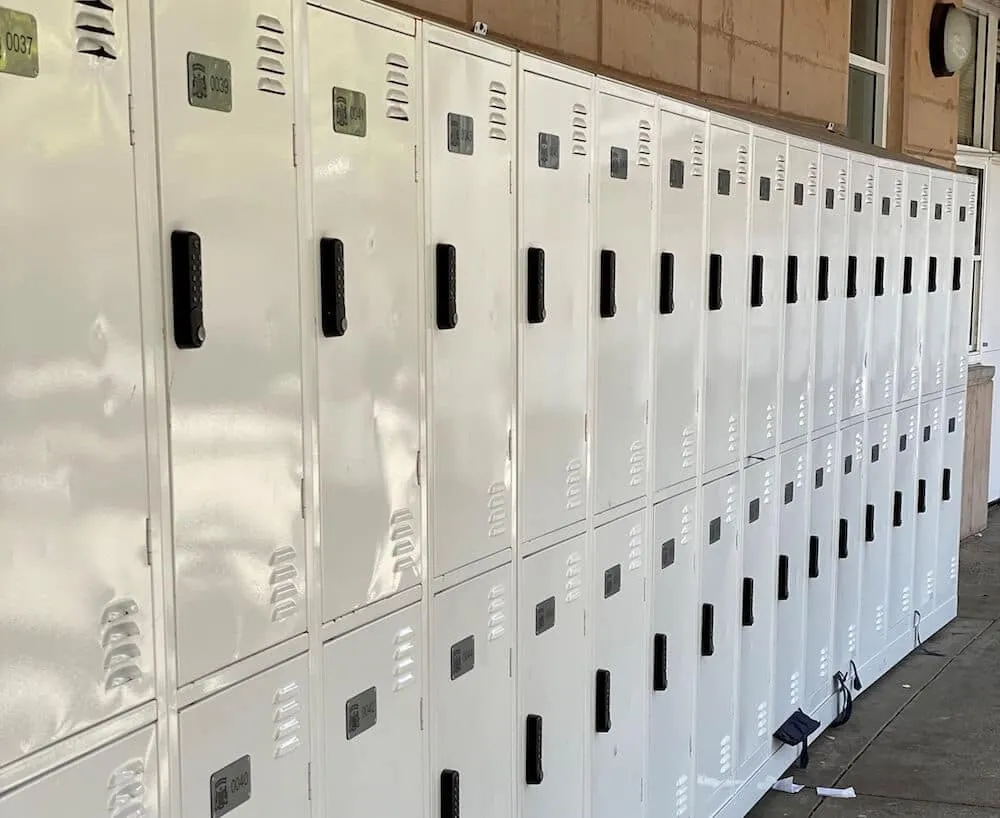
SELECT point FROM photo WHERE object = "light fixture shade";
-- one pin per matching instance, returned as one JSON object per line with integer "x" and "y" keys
{"x": 951, "y": 39}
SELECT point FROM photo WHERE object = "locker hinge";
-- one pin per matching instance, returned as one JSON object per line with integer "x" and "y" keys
{"x": 309, "y": 780}
{"x": 416, "y": 165}
{"x": 584, "y": 623}
{"x": 131, "y": 121}
{"x": 510, "y": 445}
{"x": 588, "y": 188}
{"x": 421, "y": 714}
{"x": 645, "y": 412}
{"x": 586, "y": 427}
{"x": 302, "y": 496}
{"x": 510, "y": 663}
{"x": 419, "y": 476}
{"x": 149, "y": 542}
{"x": 510, "y": 176}
{"x": 295, "y": 150}
{"x": 642, "y": 790}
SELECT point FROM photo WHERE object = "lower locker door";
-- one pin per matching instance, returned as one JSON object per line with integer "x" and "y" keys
{"x": 877, "y": 525}
{"x": 850, "y": 540}
{"x": 903, "y": 511}
{"x": 820, "y": 574}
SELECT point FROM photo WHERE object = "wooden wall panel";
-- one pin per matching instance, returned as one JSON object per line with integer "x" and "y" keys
{"x": 657, "y": 39}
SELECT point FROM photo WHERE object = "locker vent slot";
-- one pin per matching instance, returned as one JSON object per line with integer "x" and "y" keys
{"x": 852, "y": 277}
{"x": 742, "y": 164}
{"x": 644, "y": 151}
{"x": 574, "y": 576}
{"x": 907, "y": 275}
{"x": 496, "y": 505}
{"x": 898, "y": 193}
{"x": 94, "y": 26}
{"x": 397, "y": 78}
{"x": 812, "y": 180}
{"x": 869, "y": 189}
{"x": 697, "y": 155}
{"x": 498, "y": 104}
{"x": 579, "y": 129}
{"x": 283, "y": 584}
{"x": 402, "y": 532}
{"x": 126, "y": 789}
{"x": 121, "y": 638}
{"x": 842, "y": 184}
{"x": 288, "y": 719}
{"x": 823, "y": 284}
{"x": 404, "y": 659}
{"x": 949, "y": 200}
{"x": 779, "y": 172}
{"x": 757, "y": 281}
{"x": 495, "y": 613}
{"x": 270, "y": 59}
{"x": 879, "y": 276}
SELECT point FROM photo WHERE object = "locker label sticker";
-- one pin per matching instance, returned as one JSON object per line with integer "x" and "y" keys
{"x": 461, "y": 134}
{"x": 545, "y": 616}
{"x": 210, "y": 82}
{"x": 619, "y": 163}
{"x": 668, "y": 552}
{"x": 676, "y": 173}
{"x": 548, "y": 151}
{"x": 361, "y": 712}
{"x": 18, "y": 43}
{"x": 612, "y": 580}
{"x": 463, "y": 657}
{"x": 230, "y": 787}
{"x": 350, "y": 112}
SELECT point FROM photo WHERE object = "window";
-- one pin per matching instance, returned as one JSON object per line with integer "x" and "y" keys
{"x": 975, "y": 105}
{"x": 978, "y": 170}
{"x": 867, "y": 75}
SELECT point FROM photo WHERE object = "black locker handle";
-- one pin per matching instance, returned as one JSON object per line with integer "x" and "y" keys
{"x": 660, "y": 680}
{"x": 852, "y": 276}
{"x": 608, "y": 263}
{"x": 536, "y": 285}
{"x": 747, "y": 619}
{"x": 757, "y": 281}
{"x": 533, "y": 773}
{"x": 956, "y": 274}
{"x": 897, "y": 509}
{"x": 602, "y": 690}
{"x": 707, "y": 630}
{"x": 447, "y": 286}
{"x": 449, "y": 794}
{"x": 666, "y": 283}
{"x": 783, "y": 592}
{"x": 792, "y": 280}
{"x": 185, "y": 262}
{"x": 921, "y": 496}
{"x": 715, "y": 282}
{"x": 879, "y": 276}
{"x": 332, "y": 297}
{"x": 946, "y": 485}
{"x": 842, "y": 552}
{"x": 823, "y": 285}
{"x": 870, "y": 523}
{"x": 814, "y": 557}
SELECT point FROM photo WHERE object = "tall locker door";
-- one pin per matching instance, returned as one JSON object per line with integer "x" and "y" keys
{"x": 715, "y": 706}
{"x": 678, "y": 297}
{"x": 248, "y": 748}
{"x": 471, "y": 697}
{"x": 960, "y": 276}
{"x": 937, "y": 281}
{"x": 793, "y": 550}
{"x": 120, "y": 779}
{"x": 950, "y": 497}
{"x": 764, "y": 304}
{"x": 903, "y": 512}
{"x": 73, "y": 492}
{"x": 858, "y": 286}
{"x": 886, "y": 280}
{"x": 830, "y": 290}
{"x": 821, "y": 566}
{"x": 552, "y": 666}
{"x": 755, "y": 618}
{"x": 470, "y": 134}
{"x": 554, "y": 292}
{"x": 233, "y": 341}
{"x": 850, "y": 541}
{"x": 877, "y": 520}
{"x": 674, "y": 620}
{"x": 626, "y": 177}
{"x": 928, "y": 506}
{"x": 618, "y": 715}
{"x": 367, "y": 243}
{"x": 372, "y": 721}
{"x": 725, "y": 295}
{"x": 800, "y": 275}
{"x": 912, "y": 287}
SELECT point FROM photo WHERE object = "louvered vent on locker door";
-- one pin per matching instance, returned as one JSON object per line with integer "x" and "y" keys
{"x": 495, "y": 613}
{"x": 121, "y": 639}
{"x": 287, "y": 719}
{"x": 579, "y": 130}
{"x": 404, "y": 659}
{"x": 731, "y": 503}
{"x": 779, "y": 172}
{"x": 949, "y": 200}
{"x": 842, "y": 184}
{"x": 635, "y": 548}
{"x": 496, "y": 508}
{"x": 725, "y": 754}
{"x": 94, "y": 29}
{"x": 645, "y": 149}
{"x": 898, "y": 193}
{"x": 697, "y": 169}
{"x": 397, "y": 98}
{"x": 284, "y": 585}
{"x": 870, "y": 188}
{"x": 402, "y": 532}
{"x": 127, "y": 790}
{"x": 498, "y": 111}
{"x": 270, "y": 55}
{"x": 637, "y": 463}
{"x": 742, "y": 164}
{"x": 681, "y": 797}
{"x": 574, "y": 576}
{"x": 812, "y": 180}
{"x": 574, "y": 477}
{"x": 925, "y": 197}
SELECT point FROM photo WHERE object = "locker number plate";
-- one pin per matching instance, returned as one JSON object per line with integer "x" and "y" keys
{"x": 548, "y": 151}
{"x": 612, "y": 580}
{"x": 18, "y": 43}
{"x": 619, "y": 163}
{"x": 461, "y": 131}
{"x": 362, "y": 712}
{"x": 230, "y": 787}
{"x": 545, "y": 616}
{"x": 350, "y": 112}
{"x": 463, "y": 657}
{"x": 210, "y": 82}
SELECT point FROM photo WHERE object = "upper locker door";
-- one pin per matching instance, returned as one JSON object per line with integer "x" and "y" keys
{"x": 365, "y": 103}
{"x": 763, "y": 317}
{"x": 820, "y": 580}
{"x": 937, "y": 282}
{"x": 858, "y": 280}
{"x": 626, "y": 177}
{"x": 228, "y": 203}
{"x": 725, "y": 296}
{"x": 469, "y": 103}
{"x": 912, "y": 289}
{"x": 678, "y": 297}
{"x": 960, "y": 280}
{"x": 886, "y": 279}
{"x": 554, "y": 290}
{"x": 73, "y": 491}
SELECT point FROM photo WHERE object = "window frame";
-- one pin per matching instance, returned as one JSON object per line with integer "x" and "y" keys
{"x": 984, "y": 105}
{"x": 977, "y": 159}
{"x": 879, "y": 69}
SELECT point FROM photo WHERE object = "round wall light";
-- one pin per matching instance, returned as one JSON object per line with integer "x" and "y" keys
{"x": 951, "y": 39}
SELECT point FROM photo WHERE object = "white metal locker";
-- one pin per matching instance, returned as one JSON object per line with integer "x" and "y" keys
{"x": 554, "y": 291}
{"x": 725, "y": 298}
{"x": 912, "y": 287}
{"x": 679, "y": 293}
{"x": 469, "y": 140}
{"x": 674, "y": 620}
{"x": 76, "y": 621}
{"x": 617, "y": 718}
{"x": 937, "y": 282}
{"x": 119, "y": 779}
{"x": 372, "y": 694}
{"x": 948, "y": 492}
{"x": 626, "y": 176}
{"x": 820, "y": 571}
{"x": 879, "y": 481}
{"x": 850, "y": 541}
{"x": 756, "y": 594}
{"x": 800, "y": 272}
{"x": 791, "y": 563}
{"x": 886, "y": 286}
{"x": 766, "y": 192}
{"x": 367, "y": 245}
{"x": 830, "y": 289}
{"x": 928, "y": 506}
{"x": 960, "y": 276}
{"x": 247, "y": 748}
{"x": 858, "y": 286}
{"x": 902, "y": 542}
{"x": 233, "y": 349}
{"x": 715, "y": 706}
{"x": 552, "y": 661}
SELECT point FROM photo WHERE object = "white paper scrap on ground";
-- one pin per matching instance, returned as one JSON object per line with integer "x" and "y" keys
{"x": 831, "y": 792}
{"x": 788, "y": 785}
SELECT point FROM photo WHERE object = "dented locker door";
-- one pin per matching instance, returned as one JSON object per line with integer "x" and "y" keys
{"x": 373, "y": 697}
{"x": 233, "y": 341}
{"x": 937, "y": 281}
{"x": 626, "y": 176}
{"x": 928, "y": 506}
{"x": 912, "y": 284}
{"x": 886, "y": 280}
{"x": 960, "y": 280}
{"x": 901, "y": 538}
{"x": 850, "y": 541}
{"x": 470, "y": 130}
{"x": 673, "y": 646}
{"x": 764, "y": 285}
{"x": 552, "y": 661}
{"x": 75, "y": 620}
{"x": 878, "y": 512}
{"x": 858, "y": 287}
{"x": 949, "y": 494}
{"x": 367, "y": 245}
{"x": 617, "y": 713}
{"x": 678, "y": 298}
{"x": 554, "y": 292}
{"x": 821, "y": 564}
{"x": 247, "y": 748}
{"x": 471, "y": 698}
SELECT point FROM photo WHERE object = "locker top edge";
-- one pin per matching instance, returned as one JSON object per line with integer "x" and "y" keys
{"x": 371, "y": 13}
{"x": 435, "y": 33}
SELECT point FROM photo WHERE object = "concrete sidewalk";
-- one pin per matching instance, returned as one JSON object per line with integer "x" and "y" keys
{"x": 924, "y": 742}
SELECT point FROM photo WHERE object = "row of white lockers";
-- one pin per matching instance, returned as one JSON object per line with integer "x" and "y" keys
{"x": 326, "y": 288}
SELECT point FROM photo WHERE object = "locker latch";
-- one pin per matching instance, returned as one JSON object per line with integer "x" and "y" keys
{"x": 533, "y": 750}
{"x": 660, "y": 681}
{"x": 447, "y": 296}
{"x": 449, "y": 794}
{"x": 333, "y": 301}
{"x": 602, "y": 690}
{"x": 185, "y": 260}
{"x": 536, "y": 285}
